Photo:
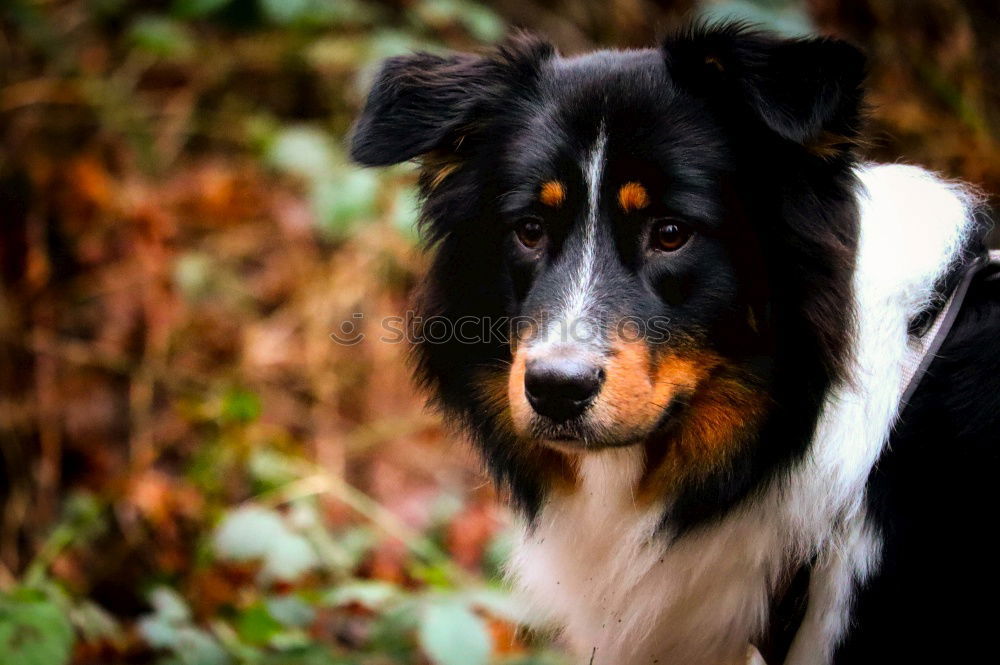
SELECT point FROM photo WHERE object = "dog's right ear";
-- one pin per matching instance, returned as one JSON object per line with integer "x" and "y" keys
{"x": 808, "y": 91}
{"x": 424, "y": 102}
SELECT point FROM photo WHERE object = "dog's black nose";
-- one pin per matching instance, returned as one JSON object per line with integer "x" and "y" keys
{"x": 561, "y": 386}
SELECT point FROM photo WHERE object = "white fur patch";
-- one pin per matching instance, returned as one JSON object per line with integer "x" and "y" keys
{"x": 595, "y": 565}
{"x": 572, "y": 319}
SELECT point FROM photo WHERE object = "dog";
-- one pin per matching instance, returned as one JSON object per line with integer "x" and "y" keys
{"x": 751, "y": 390}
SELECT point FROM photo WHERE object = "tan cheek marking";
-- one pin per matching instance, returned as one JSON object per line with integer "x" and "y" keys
{"x": 720, "y": 410}
{"x": 520, "y": 410}
{"x": 632, "y": 196}
{"x": 553, "y": 194}
{"x": 491, "y": 387}
{"x": 718, "y": 418}
{"x": 634, "y": 397}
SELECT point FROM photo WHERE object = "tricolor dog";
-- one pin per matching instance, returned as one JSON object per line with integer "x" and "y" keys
{"x": 751, "y": 394}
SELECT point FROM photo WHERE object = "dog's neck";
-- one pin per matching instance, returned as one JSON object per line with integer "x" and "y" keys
{"x": 609, "y": 570}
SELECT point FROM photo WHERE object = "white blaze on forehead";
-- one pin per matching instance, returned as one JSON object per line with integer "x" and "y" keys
{"x": 570, "y": 323}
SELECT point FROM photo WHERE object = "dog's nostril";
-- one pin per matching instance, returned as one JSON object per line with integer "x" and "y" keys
{"x": 561, "y": 387}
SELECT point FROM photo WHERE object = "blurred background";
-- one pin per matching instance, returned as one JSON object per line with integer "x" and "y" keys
{"x": 191, "y": 470}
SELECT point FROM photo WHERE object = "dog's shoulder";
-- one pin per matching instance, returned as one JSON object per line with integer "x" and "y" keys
{"x": 933, "y": 498}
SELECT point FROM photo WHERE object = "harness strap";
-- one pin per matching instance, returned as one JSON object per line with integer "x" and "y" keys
{"x": 928, "y": 344}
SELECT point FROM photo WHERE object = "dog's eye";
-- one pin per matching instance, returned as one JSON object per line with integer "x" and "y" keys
{"x": 530, "y": 232}
{"x": 669, "y": 235}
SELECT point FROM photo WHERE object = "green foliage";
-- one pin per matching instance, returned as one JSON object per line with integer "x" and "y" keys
{"x": 162, "y": 37}
{"x": 450, "y": 634}
{"x": 406, "y": 212}
{"x": 482, "y": 23}
{"x": 256, "y": 625}
{"x": 33, "y": 629}
{"x": 255, "y": 533}
{"x": 196, "y": 8}
{"x": 290, "y": 611}
{"x": 447, "y": 627}
{"x": 240, "y": 406}
{"x": 287, "y": 11}
{"x": 303, "y": 151}
{"x": 341, "y": 196}
{"x": 371, "y": 594}
{"x": 170, "y": 628}
{"x": 788, "y": 17}
{"x": 341, "y": 200}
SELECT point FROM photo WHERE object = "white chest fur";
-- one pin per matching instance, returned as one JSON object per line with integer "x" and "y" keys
{"x": 596, "y": 563}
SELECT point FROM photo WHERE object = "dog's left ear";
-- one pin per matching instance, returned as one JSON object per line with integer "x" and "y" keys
{"x": 424, "y": 102}
{"x": 804, "y": 90}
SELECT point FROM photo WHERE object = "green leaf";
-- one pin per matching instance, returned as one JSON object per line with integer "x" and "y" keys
{"x": 170, "y": 613}
{"x": 272, "y": 468}
{"x": 161, "y": 37}
{"x": 451, "y": 634}
{"x": 257, "y": 626}
{"x": 406, "y": 212}
{"x": 284, "y": 12}
{"x": 248, "y": 533}
{"x": 157, "y": 631}
{"x": 393, "y": 632}
{"x": 291, "y": 611}
{"x": 288, "y": 558}
{"x": 373, "y": 595}
{"x": 302, "y": 151}
{"x": 339, "y": 203}
{"x": 483, "y": 23}
{"x": 313, "y": 654}
{"x": 253, "y": 532}
{"x": 169, "y": 628}
{"x": 196, "y": 647}
{"x": 387, "y": 42}
{"x": 196, "y": 8}
{"x": 33, "y": 630}
{"x": 788, "y": 18}
{"x": 95, "y": 623}
{"x": 168, "y": 605}
{"x": 240, "y": 406}
{"x": 434, "y": 574}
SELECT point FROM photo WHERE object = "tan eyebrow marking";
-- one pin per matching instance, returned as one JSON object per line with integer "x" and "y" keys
{"x": 553, "y": 193}
{"x": 632, "y": 196}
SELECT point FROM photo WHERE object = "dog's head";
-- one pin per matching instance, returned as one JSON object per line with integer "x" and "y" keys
{"x": 631, "y": 248}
